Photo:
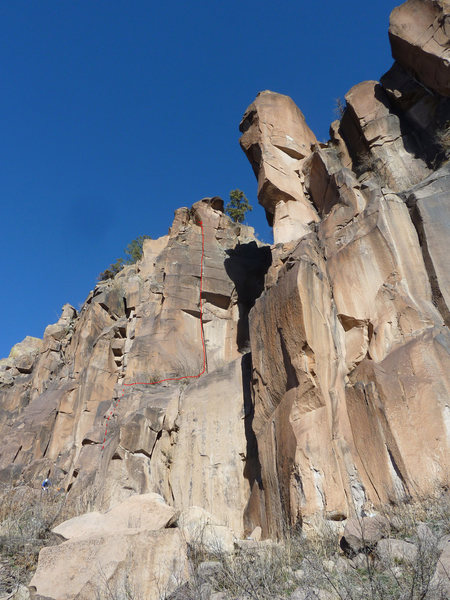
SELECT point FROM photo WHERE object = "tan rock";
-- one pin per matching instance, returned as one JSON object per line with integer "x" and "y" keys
{"x": 142, "y": 512}
{"x": 339, "y": 145}
{"x": 397, "y": 551}
{"x": 294, "y": 364}
{"x": 151, "y": 250}
{"x": 311, "y": 383}
{"x": 387, "y": 277}
{"x": 400, "y": 306}
{"x": 62, "y": 328}
{"x": 203, "y": 462}
{"x": 30, "y": 345}
{"x": 409, "y": 386}
{"x": 346, "y": 317}
{"x": 419, "y": 33}
{"x": 378, "y": 143}
{"x": 335, "y": 192}
{"x": 141, "y": 563}
{"x": 431, "y": 215}
{"x": 203, "y": 531}
{"x": 143, "y": 326}
{"x": 422, "y": 112}
{"x": 255, "y": 534}
{"x": 364, "y": 532}
{"x": 21, "y": 359}
{"x": 276, "y": 139}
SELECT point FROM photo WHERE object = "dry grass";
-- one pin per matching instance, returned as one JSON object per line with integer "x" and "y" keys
{"x": 367, "y": 164}
{"x": 434, "y": 510}
{"x": 339, "y": 107}
{"x": 82, "y": 503}
{"x": 26, "y": 519}
{"x": 316, "y": 565}
{"x": 443, "y": 140}
{"x": 265, "y": 571}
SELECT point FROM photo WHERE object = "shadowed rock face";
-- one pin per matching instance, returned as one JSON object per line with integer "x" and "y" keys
{"x": 430, "y": 211}
{"x": 326, "y": 387}
{"x": 419, "y": 32}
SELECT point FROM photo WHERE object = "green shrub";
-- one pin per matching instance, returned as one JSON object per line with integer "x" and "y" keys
{"x": 112, "y": 270}
{"x": 134, "y": 249}
{"x": 133, "y": 253}
{"x": 238, "y": 206}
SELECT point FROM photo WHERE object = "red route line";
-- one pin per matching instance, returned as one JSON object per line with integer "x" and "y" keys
{"x": 171, "y": 378}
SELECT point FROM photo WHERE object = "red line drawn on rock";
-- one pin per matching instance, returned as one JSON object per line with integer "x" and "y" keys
{"x": 170, "y": 378}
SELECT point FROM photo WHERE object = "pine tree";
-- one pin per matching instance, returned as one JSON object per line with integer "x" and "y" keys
{"x": 237, "y": 206}
{"x": 134, "y": 249}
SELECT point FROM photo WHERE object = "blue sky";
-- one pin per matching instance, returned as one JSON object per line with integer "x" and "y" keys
{"x": 115, "y": 113}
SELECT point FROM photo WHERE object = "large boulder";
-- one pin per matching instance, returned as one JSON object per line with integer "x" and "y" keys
{"x": 392, "y": 551}
{"x": 125, "y": 550}
{"x": 203, "y": 532}
{"x": 364, "y": 532}
{"x": 140, "y": 563}
{"x": 145, "y": 511}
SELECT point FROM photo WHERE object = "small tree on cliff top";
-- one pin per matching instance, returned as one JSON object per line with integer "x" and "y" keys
{"x": 133, "y": 253}
{"x": 134, "y": 249}
{"x": 238, "y": 206}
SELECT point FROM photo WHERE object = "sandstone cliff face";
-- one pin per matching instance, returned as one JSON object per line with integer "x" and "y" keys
{"x": 144, "y": 326}
{"x": 323, "y": 382}
{"x": 349, "y": 341}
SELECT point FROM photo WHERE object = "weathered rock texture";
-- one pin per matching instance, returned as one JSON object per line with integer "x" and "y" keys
{"x": 144, "y": 326}
{"x": 277, "y": 140}
{"x": 349, "y": 341}
{"x": 188, "y": 440}
{"x": 343, "y": 401}
{"x": 420, "y": 33}
{"x": 106, "y": 552}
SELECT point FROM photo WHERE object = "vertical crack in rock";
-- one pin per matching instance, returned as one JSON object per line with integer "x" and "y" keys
{"x": 379, "y": 367}
{"x": 328, "y": 353}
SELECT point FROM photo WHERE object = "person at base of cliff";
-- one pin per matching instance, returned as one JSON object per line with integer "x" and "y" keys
{"x": 46, "y": 484}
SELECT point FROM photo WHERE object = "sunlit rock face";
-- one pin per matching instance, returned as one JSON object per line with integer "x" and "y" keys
{"x": 350, "y": 343}
{"x": 307, "y": 377}
{"x": 184, "y": 439}
{"x": 277, "y": 140}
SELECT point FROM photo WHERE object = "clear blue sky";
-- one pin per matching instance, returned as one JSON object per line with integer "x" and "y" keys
{"x": 115, "y": 113}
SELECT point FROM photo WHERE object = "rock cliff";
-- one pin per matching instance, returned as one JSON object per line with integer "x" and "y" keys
{"x": 307, "y": 377}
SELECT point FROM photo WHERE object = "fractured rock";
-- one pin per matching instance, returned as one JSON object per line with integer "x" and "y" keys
{"x": 419, "y": 32}
{"x": 377, "y": 138}
{"x": 430, "y": 210}
{"x": 276, "y": 140}
{"x": 142, "y": 512}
